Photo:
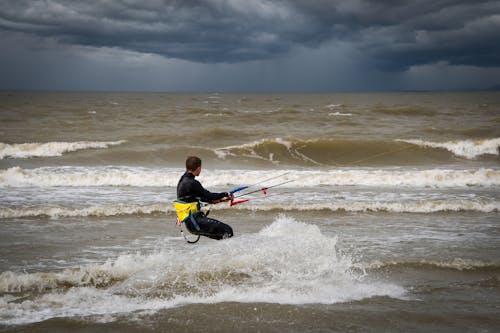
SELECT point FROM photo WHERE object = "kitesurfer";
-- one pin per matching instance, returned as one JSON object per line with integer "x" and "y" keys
{"x": 190, "y": 190}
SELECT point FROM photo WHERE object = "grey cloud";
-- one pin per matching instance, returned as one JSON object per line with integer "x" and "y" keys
{"x": 461, "y": 34}
{"x": 389, "y": 34}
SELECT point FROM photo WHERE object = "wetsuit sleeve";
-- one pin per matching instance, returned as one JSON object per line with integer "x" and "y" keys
{"x": 205, "y": 195}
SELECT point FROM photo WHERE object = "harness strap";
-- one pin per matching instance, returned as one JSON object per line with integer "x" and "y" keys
{"x": 193, "y": 221}
{"x": 187, "y": 240}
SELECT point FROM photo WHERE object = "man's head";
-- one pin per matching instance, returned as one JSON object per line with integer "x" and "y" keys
{"x": 193, "y": 165}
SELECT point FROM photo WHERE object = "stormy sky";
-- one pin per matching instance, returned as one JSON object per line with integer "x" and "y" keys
{"x": 249, "y": 45}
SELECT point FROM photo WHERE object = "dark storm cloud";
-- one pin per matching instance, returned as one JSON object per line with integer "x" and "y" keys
{"x": 388, "y": 34}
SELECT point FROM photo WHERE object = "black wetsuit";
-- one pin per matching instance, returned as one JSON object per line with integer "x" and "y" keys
{"x": 191, "y": 190}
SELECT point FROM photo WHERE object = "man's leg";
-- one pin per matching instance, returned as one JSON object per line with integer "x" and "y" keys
{"x": 213, "y": 228}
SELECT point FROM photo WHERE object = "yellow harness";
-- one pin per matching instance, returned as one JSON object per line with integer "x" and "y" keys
{"x": 185, "y": 210}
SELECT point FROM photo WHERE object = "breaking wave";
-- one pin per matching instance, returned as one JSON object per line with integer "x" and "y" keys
{"x": 429, "y": 206}
{"x": 424, "y": 207}
{"x": 50, "y": 149}
{"x": 147, "y": 177}
{"x": 83, "y": 176}
{"x": 470, "y": 149}
{"x": 333, "y": 152}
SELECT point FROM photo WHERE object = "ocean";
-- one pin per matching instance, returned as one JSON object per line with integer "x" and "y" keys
{"x": 381, "y": 214}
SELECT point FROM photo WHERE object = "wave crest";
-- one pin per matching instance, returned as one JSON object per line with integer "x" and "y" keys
{"x": 50, "y": 149}
{"x": 144, "y": 177}
{"x": 470, "y": 149}
{"x": 334, "y": 152}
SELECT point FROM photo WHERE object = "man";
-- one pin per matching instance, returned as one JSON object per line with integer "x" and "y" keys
{"x": 190, "y": 190}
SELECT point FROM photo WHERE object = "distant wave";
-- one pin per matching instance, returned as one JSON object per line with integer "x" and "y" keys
{"x": 404, "y": 110}
{"x": 333, "y": 106}
{"x": 50, "y": 149}
{"x": 216, "y": 132}
{"x": 316, "y": 152}
{"x": 340, "y": 114}
{"x": 470, "y": 149}
{"x": 142, "y": 177}
{"x": 335, "y": 152}
{"x": 424, "y": 207}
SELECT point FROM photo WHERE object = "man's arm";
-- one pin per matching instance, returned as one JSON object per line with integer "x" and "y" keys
{"x": 207, "y": 196}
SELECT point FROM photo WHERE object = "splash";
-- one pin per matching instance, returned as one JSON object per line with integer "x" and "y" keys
{"x": 287, "y": 262}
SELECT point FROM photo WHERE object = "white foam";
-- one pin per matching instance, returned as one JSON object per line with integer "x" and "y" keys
{"x": 129, "y": 176}
{"x": 470, "y": 149}
{"x": 340, "y": 114}
{"x": 82, "y": 176}
{"x": 50, "y": 149}
{"x": 83, "y": 301}
{"x": 427, "y": 206}
{"x": 288, "y": 262}
{"x": 98, "y": 211}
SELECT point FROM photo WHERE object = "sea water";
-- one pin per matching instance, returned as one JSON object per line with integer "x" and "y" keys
{"x": 384, "y": 217}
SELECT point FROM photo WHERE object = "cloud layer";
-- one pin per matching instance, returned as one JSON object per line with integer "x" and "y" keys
{"x": 391, "y": 34}
{"x": 313, "y": 45}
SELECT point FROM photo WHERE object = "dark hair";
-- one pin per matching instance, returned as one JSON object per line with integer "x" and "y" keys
{"x": 192, "y": 163}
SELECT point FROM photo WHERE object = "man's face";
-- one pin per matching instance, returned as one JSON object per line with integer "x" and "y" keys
{"x": 197, "y": 171}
